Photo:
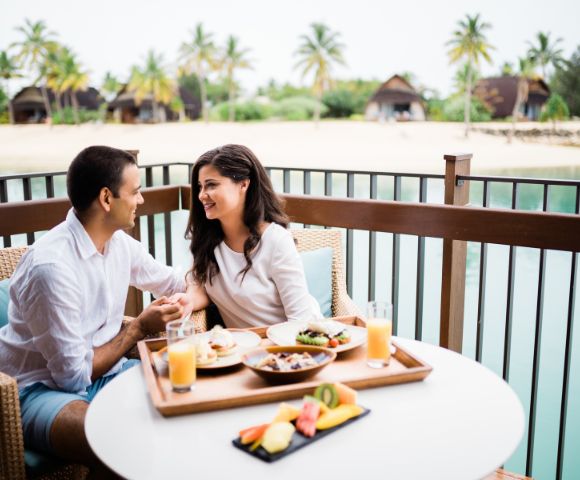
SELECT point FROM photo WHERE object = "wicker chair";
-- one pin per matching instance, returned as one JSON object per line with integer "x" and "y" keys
{"x": 313, "y": 239}
{"x": 12, "y": 458}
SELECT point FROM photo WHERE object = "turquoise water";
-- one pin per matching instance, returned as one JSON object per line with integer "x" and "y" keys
{"x": 557, "y": 276}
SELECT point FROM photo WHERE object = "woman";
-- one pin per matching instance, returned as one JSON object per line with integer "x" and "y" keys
{"x": 244, "y": 258}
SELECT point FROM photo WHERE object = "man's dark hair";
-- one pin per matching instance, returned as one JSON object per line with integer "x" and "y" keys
{"x": 93, "y": 169}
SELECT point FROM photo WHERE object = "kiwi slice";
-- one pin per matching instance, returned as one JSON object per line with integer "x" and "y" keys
{"x": 327, "y": 394}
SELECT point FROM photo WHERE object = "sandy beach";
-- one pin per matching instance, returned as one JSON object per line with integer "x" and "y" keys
{"x": 397, "y": 147}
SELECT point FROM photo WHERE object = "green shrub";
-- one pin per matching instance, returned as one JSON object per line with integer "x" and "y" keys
{"x": 555, "y": 109}
{"x": 297, "y": 108}
{"x": 453, "y": 109}
{"x": 243, "y": 112}
{"x": 341, "y": 103}
{"x": 66, "y": 117}
{"x": 4, "y": 117}
{"x": 435, "y": 109}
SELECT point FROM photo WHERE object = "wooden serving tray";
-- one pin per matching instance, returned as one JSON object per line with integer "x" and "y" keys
{"x": 239, "y": 386}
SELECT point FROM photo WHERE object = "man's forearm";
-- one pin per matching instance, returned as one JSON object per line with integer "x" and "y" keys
{"x": 111, "y": 352}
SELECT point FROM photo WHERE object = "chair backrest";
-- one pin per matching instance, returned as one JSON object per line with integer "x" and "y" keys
{"x": 9, "y": 258}
{"x": 309, "y": 239}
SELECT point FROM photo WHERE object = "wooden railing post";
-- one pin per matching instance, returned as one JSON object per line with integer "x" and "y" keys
{"x": 454, "y": 257}
{"x": 134, "y": 302}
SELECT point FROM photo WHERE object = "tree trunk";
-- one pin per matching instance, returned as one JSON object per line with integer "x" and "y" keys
{"x": 521, "y": 96}
{"x": 46, "y": 104}
{"x": 155, "y": 110}
{"x": 467, "y": 106}
{"x": 232, "y": 99}
{"x": 204, "y": 112}
{"x": 75, "y": 107}
{"x": 317, "y": 106}
{"x": 10, "y": 107}
{"x": 58, "y": 104}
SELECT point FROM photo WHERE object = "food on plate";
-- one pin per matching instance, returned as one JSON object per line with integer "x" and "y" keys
{"x": 306, "y": 421}
{"x": 336, "y": 416}
{"x": 278, "y": 436}
{"x": 204, "y": 354}
{"x": 327, "y": 394}
{"x": 222, "y": 341}
{"x": 286, "y": 413}
{"x": 250, "y": 435}
{"x": 315, "y": 414}
{"x": 285, "y": 361}
{"x": 346, "y": 395}
{"x": 324, "y": 333}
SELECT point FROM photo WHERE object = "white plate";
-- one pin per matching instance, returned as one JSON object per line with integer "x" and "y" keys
{"x": 284, "y": 334}
{"x": 245, "y": 340}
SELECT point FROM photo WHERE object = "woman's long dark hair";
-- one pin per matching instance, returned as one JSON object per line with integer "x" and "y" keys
{"x": 262, "y": 204}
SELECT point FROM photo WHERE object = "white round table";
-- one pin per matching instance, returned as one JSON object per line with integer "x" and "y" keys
{"x": 461, "y": 422}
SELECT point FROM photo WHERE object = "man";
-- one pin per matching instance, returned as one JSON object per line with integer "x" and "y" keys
{"x": 65, "y": 338}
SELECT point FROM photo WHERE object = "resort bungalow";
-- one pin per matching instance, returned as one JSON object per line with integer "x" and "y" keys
{"x": 395, "y": 99}
{"x": 125, "y": 110}
{"x": 28, "y": 104}
{"x": 499, "y": 95}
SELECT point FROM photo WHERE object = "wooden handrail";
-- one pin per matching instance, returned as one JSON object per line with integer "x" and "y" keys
{"x": 39, "y": 215}
{"x": 555, "y": 231}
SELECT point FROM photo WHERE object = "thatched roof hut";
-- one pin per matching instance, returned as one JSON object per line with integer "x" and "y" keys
{"x": 28, "y": 104}
{"x": 126, "y": 110}
{"x": 396, "y": 99}
{"x": 499, "y": 95}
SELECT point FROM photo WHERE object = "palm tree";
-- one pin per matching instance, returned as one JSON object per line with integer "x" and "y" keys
{"x": 526, "y": 73}
{"x": 33, "y": 53}
{"x": 233, "y": 59}
{"x": 199, "y": 56}
{"x": 319, "y": 52}
{"x": 545, "y": 53}
{"x": 110, "y": 86}
{"x": 65, "y": 75}
{"x": 468, "y": 45}
{"x": 152, "y": 80}
{"x": 8, "y": 71}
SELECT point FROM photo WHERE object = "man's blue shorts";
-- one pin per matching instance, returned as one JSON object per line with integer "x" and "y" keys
{"x": 39, "y": 406}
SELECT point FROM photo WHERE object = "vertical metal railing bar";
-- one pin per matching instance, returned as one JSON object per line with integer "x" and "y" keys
{"x": 537, "y": 348}
{"x": 420, "y": 289}
{"x": 286, "y": 180}
{"x": 349, "y": 238}
{"x": 567, "y": 355}
{"x": 306, "y": 186}
{"x": 150, "y": 218}
{"x": 49, "y": 186}
{"x": 27, "y": 191}
{"x": 7, "y": 241}
{"x": 327, "y": 186}
{"x": 482, "y": 281}
{"x": 510, "y": 296}
{"x": 373, "y": 188}
{"x": 396, "y": 264}
{"x": 167, "y": 221}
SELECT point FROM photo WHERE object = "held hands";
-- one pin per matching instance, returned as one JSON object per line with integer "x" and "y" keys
{"x": 185, "y": 300}
{"x": 153, "y": 318}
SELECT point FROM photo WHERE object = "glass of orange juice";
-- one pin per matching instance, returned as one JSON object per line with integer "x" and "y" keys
{"x": 379, "y": 331}
{"x": 181, "y": 354}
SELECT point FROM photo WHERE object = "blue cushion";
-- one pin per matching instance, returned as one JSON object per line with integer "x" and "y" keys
{"x": 4, "y": 297}
{"x": 318, "y": 272}
{"x": 37, "y": 463}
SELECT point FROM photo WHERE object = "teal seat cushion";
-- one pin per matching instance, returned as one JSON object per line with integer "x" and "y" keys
{"x": 4, "y": 297}
{"x": 318, "y": 272}
{"x": 38, "y": 463}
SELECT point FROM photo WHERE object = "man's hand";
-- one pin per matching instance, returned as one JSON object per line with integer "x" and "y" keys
{"x": 153, "y": 318}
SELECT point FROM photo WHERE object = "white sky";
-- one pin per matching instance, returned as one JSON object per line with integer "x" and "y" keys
{"x": 382, "y": 37}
